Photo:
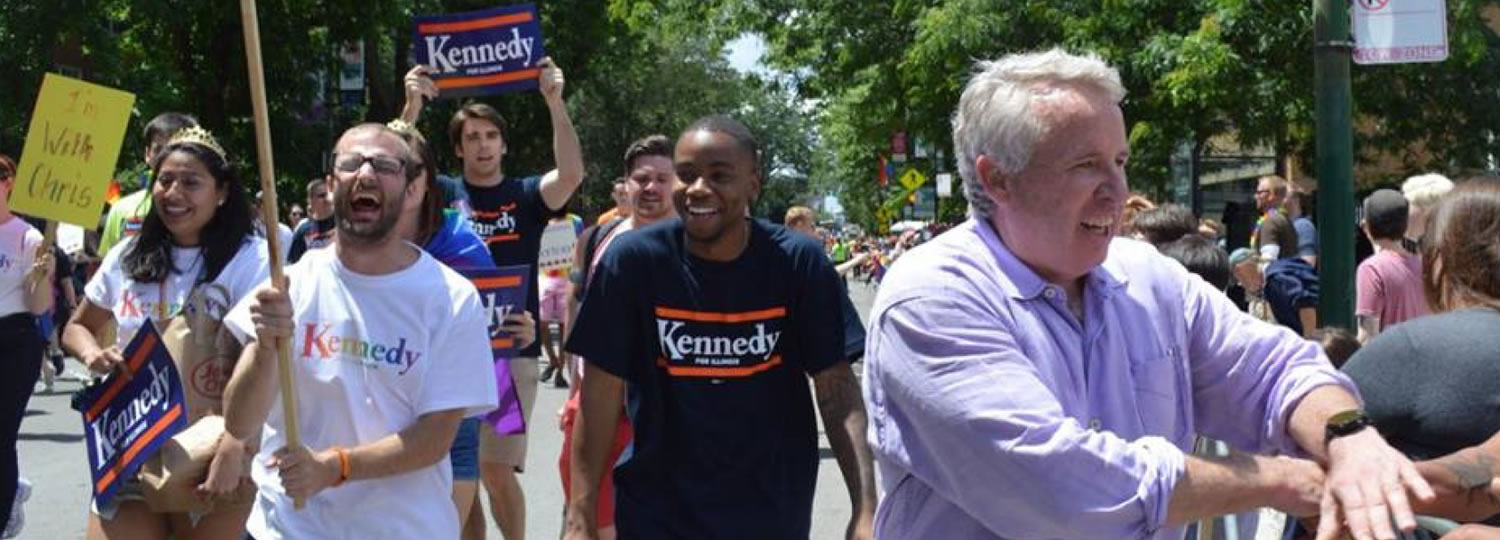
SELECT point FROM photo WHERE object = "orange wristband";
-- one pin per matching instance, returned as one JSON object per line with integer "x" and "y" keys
{"x": 343, "y": 466}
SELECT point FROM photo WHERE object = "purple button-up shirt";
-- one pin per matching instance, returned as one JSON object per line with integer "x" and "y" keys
{"x": 995, "y": 413}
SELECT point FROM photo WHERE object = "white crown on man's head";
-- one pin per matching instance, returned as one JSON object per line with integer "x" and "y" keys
{"x": 198, "y": 136}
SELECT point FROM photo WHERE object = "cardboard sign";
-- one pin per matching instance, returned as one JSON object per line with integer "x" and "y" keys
{"x": 558, "y": 241}
{"x": 71, "y": 148}
{"x": 494, "y": 51}
{"x": 126, "y": 421}
{"x": 503, "y": 291}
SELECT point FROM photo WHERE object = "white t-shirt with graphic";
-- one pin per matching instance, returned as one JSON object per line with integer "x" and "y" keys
{"x": 371, "y": 355}
{"x": 18, "y": 243}
{"x": 131, "y": 302}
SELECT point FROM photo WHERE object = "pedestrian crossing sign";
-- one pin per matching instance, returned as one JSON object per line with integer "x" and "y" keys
{"x": 912, "y": 179}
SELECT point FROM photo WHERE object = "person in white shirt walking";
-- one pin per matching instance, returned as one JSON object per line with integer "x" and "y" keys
{"x": 21, "y": 301}
{"x": 390, "y": 350}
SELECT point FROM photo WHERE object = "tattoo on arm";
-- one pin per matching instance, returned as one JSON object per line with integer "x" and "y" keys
{"x": 843, "y": 412}
{"x": 1474, "y": 476}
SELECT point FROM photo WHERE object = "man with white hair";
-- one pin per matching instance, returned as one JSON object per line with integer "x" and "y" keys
{"x": 1422, "y": 193}
{"x": 1030, "y": 375}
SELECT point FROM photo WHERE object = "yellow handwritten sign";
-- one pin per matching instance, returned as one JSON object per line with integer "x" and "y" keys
{"x": 71, "y": 149}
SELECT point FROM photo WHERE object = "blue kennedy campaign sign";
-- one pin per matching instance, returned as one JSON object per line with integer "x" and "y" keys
{"x": 493, "y": 51}
{"x": 502, "y": 291}
{"x": 126, "y": 421}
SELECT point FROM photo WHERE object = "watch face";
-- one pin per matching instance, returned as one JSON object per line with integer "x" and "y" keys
{"x": 1345, "y": 417}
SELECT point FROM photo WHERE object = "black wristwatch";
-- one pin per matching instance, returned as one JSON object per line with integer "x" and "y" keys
{"x": 1345, "y": 423}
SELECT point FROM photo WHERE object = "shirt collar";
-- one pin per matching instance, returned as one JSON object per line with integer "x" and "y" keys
{"x": 1025, "y": 284}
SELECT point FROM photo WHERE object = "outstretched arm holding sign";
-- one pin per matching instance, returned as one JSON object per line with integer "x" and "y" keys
{"x": 559, "y": 184}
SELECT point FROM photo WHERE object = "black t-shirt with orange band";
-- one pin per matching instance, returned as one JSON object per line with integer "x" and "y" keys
{"x": 716, "y": 357}
{"x": 511, "y": 217}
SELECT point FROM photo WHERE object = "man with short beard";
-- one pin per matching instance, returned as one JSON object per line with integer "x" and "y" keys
{"x": 390, "y": 351}
{"x": 709, "y": 321}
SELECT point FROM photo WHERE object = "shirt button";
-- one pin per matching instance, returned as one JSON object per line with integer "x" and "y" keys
{"x": 1049, "y": 292}
{"x": 1094, "y": 424}
{"x": 370, "y": 401}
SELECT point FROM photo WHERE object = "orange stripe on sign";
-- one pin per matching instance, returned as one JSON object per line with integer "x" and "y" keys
{"x": 718, "y": 372}
{"x": 502, "y": 238}
{"x": 486, "y": 80}
{"x": 704, "y": 316}
{"x": 502, "y": 281}
{"x": 138, "y": 446}
{"x": 502, "y": 343}
{"x": 476, "y": 24}
{"x": 134, "y": 366}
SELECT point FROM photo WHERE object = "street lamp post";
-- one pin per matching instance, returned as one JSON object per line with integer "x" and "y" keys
{"x": 1335, "y": 163}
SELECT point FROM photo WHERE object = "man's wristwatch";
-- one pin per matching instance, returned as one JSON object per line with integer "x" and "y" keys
{"x": 1345, "y": 423}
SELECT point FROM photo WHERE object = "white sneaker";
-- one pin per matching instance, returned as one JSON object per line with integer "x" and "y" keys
{"x": 48, "y": 376}
{"x": 17, "y": 513}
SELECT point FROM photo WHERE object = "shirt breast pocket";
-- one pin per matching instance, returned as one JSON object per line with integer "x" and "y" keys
{"x": 1162, "y": 397}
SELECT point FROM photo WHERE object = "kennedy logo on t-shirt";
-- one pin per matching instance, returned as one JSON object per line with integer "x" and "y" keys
{"x": 496, "y": 226}
{"x": 134, "y": 306}
{"x": 320, "y": 342}
{"x": 719, "y": 345}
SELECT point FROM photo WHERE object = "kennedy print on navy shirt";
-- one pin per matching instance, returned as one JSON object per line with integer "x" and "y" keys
{"x": 719, "y": 345}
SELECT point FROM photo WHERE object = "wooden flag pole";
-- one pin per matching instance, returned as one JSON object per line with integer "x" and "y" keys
{"x": 269, "y": 215}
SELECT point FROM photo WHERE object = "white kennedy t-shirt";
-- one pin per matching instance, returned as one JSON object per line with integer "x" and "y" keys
{"x": 131, "y": 303}
{"x": 371, "y": 354}
{"x": 18, "y": 243}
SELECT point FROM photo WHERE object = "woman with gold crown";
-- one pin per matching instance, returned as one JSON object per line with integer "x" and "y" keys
{"x": 196, "y": 255}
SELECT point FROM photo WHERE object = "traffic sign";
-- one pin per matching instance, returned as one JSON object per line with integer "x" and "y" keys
{"x": 1408, "y": 31}
{"x": 912, "y": 179}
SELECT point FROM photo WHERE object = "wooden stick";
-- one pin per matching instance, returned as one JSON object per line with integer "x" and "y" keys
{"x": 48, "y": 237}
{"x": 269, "y": 215}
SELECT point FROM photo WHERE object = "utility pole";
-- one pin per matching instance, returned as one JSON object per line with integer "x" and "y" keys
{"x": 1335, "y": 162}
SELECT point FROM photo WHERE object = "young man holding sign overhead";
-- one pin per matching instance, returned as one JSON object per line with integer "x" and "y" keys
{"x": 390, "y": 350}
{"x": 510, "y": 213}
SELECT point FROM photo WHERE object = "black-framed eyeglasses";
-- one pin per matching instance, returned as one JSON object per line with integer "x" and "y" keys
{"x": 384, "y": 166}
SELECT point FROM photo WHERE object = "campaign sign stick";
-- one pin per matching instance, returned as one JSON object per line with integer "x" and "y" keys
{"x": 71, "y": 147}
{"x": 126, "y": 421}
{"x": 502, "y": 291}
{"x": 493, "y": 51}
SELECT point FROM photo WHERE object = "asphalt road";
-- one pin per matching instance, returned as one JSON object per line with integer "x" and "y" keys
{"x": 53, "y": 457}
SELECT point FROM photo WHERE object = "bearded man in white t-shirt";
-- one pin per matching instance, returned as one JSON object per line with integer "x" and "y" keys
{"x": 390, "y": 351}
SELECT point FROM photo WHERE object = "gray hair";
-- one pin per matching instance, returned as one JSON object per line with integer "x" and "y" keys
{"x": 995, "y": 116}
{"x": 1423, "y": 191}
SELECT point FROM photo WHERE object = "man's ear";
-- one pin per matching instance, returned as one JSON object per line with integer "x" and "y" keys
{"x": 996, "y": 183}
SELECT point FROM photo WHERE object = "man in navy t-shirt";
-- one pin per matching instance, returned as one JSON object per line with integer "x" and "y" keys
{"x": 713, "y": 322}
{"x": 509, "y": 213}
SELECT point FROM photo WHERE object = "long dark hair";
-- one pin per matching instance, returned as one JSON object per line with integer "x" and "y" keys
{"x": 1461, "y": 249}
{"x": 430, "y": 217}
{"x": 150, "y": 259}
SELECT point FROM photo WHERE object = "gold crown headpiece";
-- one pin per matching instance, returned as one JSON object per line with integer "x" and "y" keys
{"x": 401, "y": 126}
{"x": 198, "y": 136}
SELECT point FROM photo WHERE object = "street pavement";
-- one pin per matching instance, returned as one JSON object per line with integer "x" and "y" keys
{"x": 53, "y": 457}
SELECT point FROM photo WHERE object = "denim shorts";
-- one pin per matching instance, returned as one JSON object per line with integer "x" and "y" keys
{"x": 465, "y": 452}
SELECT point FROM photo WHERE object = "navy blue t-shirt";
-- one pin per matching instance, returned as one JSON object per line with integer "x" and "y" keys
{"x": 716, "y": 357}
{"x": 510, "y": 217}
{"x": 310, "y": 234}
